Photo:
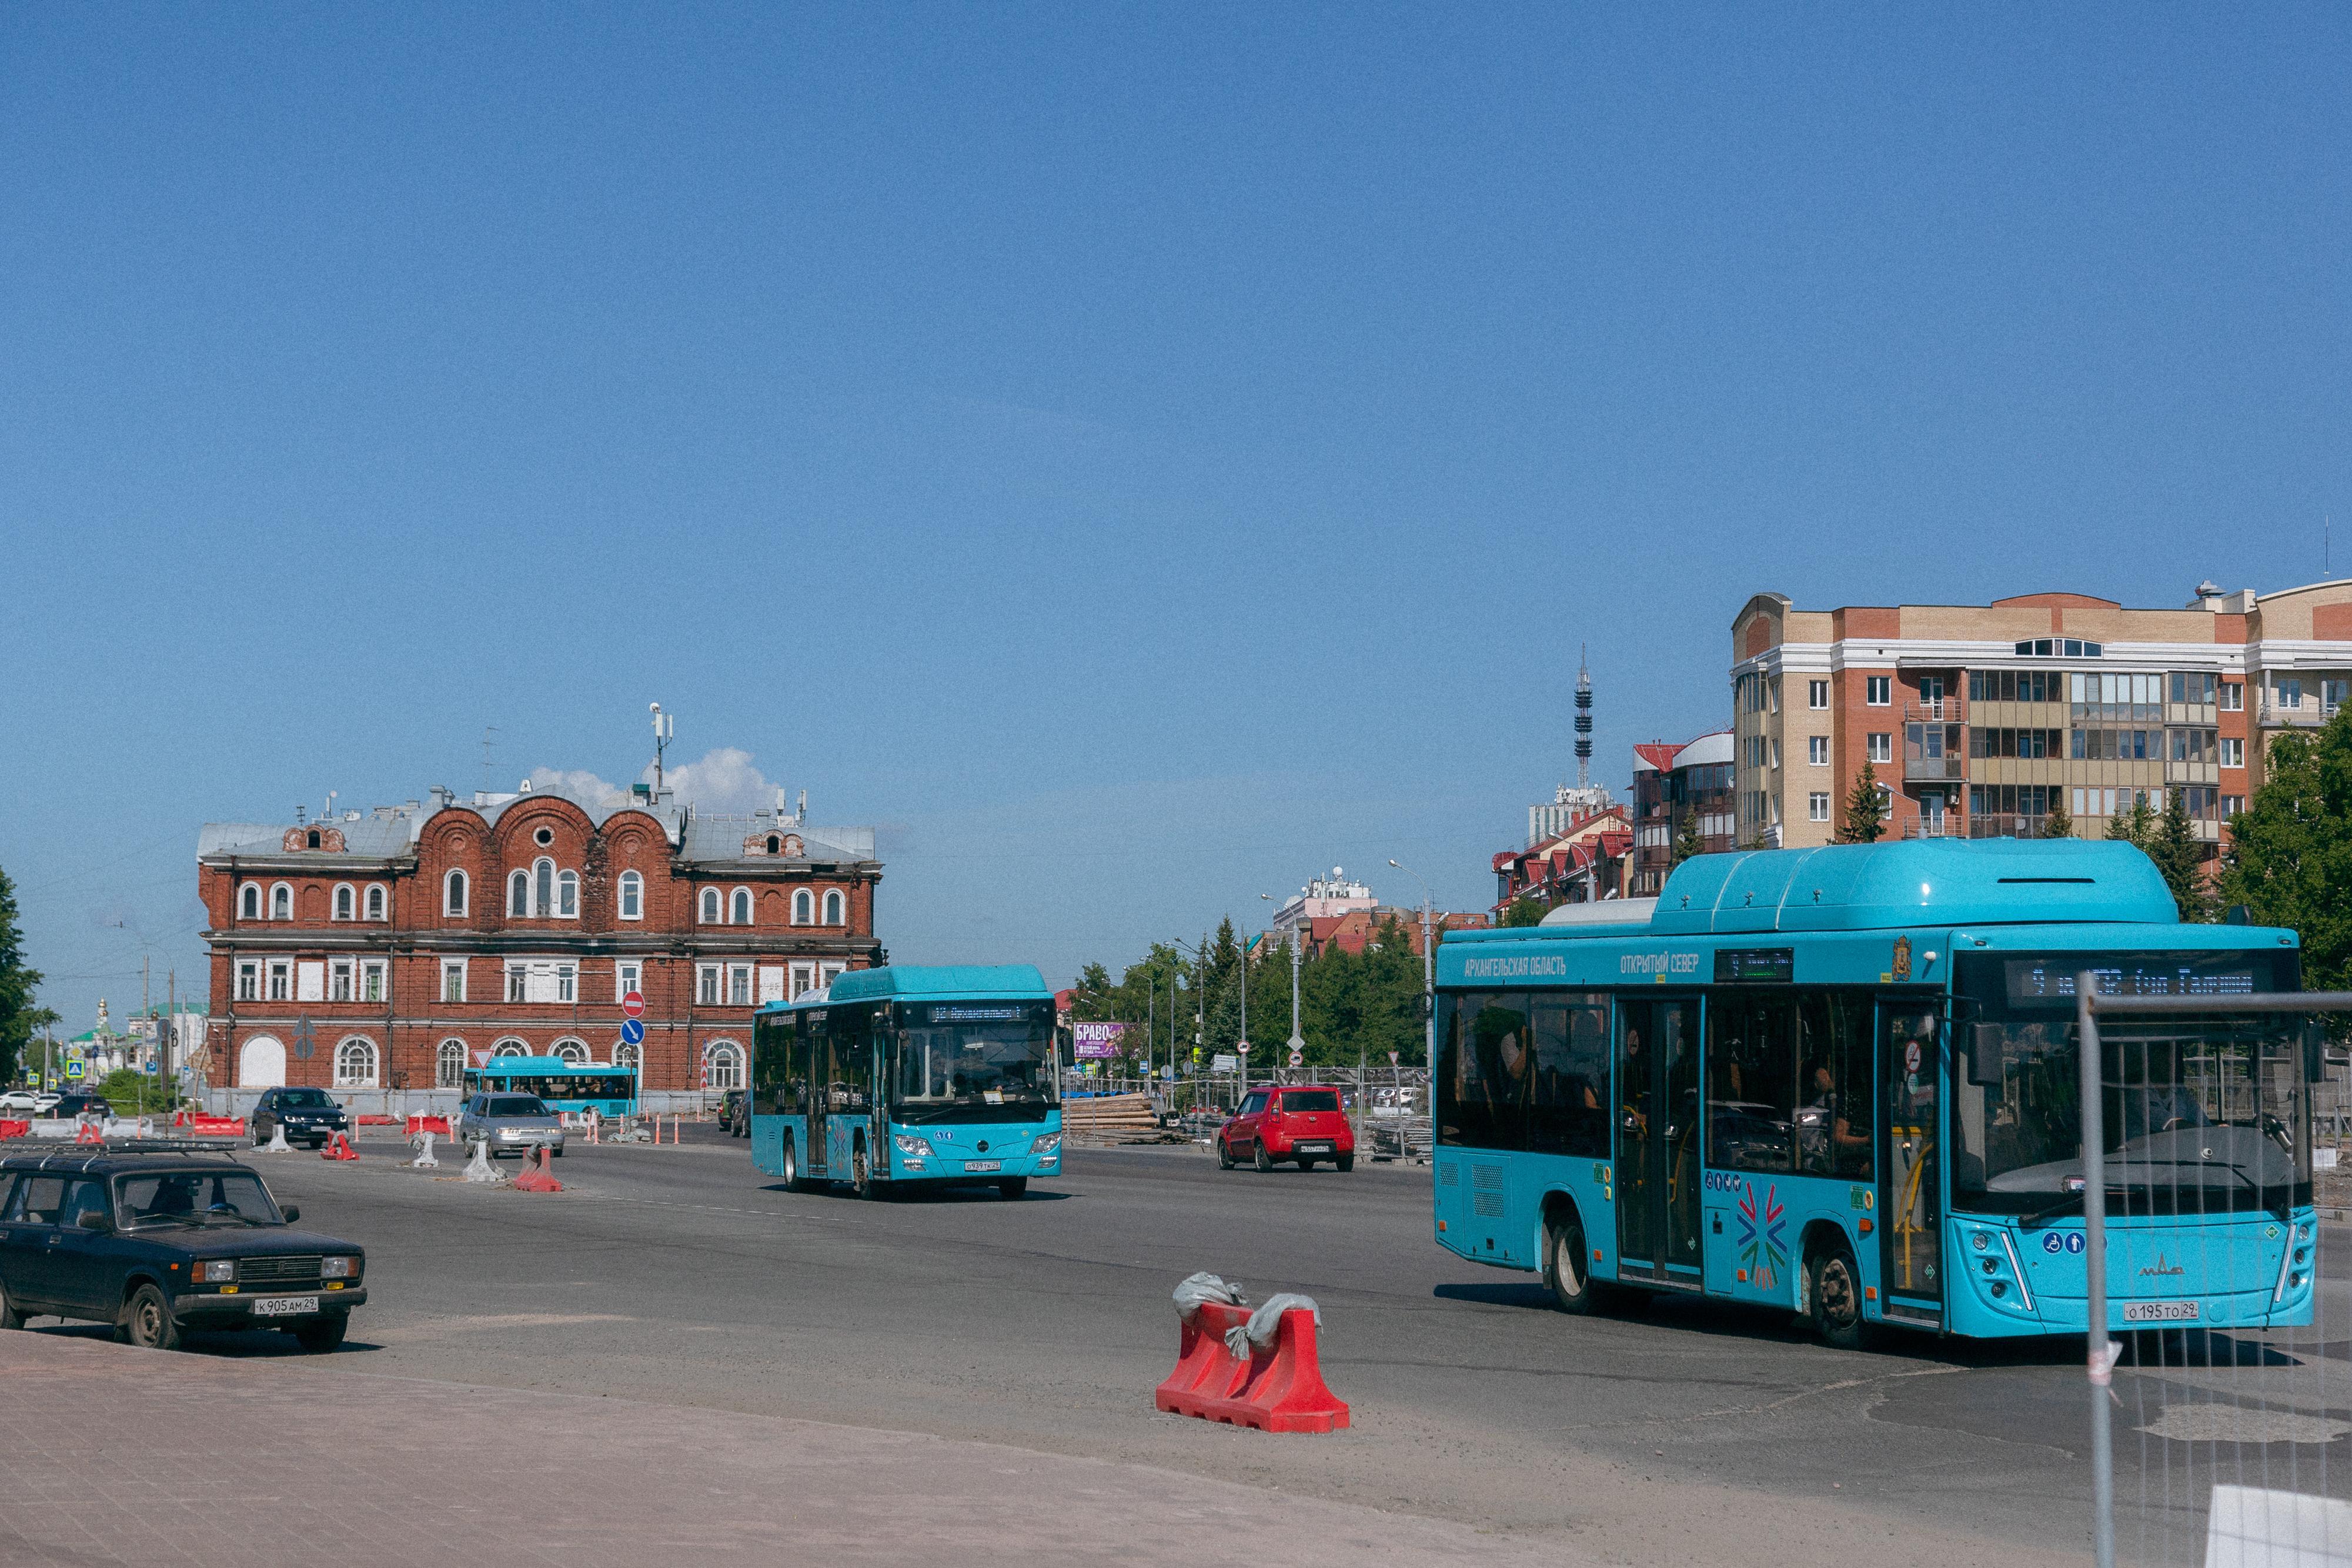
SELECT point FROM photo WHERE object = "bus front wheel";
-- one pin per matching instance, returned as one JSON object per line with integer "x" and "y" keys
{"x": 861, "y": 1175}
{"x": 1014, "y": 1186}
{"x": 1566, "y": 1271}
{"x": 1833, "y": 1300}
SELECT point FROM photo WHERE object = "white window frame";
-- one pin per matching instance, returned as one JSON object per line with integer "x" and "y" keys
{"x": 727, "y": 1052}
{"x": 1817, "y": 806}
{"x": 567, "y": 984}
{"x": 517, "y": 972}
{"x": 456, "y": 888}
{"x": 628, "y": 975}
{"x": 1817, "y": 751}
{"x": 445, "y": 1079}
{"x": 803, "y": 979}
{"x": 510, "y": 1046}
{"x": 803, "y": 907}
{"x": 835, "y": 907}
{"x": 361, "y": 1048}
{"x": 373, "y": 902}
{"x": 709, "y": 907}
{"x": 453, "y": 979}
{"x": 376, "y": 984}
{"x": 281, "y": 893}
{"x": 1878, "y": 691}
{"x": 342, "y": 981}
{"x": 708, "y": 983}
{"x": 739, "y": 984}
{"x": 519, "y": 882}
{"x": 345, "y": 904}
{"x": 1817, "y": 695}
{"x": 740, "y": 906}
{"x": 626, "y": 1056}
{"x": 1880, "y": 744}
{"x": 248, "y": 901}
{"x": 2233, "y": 751}
{"x": 1774, "y": 747}
{"x": 543, "y": 868}
{"x": 280, "y": 987}
{"x": 567, "y": 896}
{"x": 828, "y": 973}
{"x": 633, "y": 897}
{"x": 563, "y": 1050}
{"x": 249, "y": 979}
{"x": 2234, "y": 697}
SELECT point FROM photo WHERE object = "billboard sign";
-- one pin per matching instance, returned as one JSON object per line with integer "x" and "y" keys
{"x": 1096, "y": 1041}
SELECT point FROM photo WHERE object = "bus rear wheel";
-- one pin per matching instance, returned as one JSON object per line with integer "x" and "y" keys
{"x": 1833, "y": 1299}
{"x": 861, "y": 1175}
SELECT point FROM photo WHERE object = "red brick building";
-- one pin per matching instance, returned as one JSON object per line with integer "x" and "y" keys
{"x": 389, "y": 949}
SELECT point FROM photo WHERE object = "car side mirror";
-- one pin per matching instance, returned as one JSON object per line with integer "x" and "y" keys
{"x": 293, "y": 1212}
{"x": 94, "y": 1219}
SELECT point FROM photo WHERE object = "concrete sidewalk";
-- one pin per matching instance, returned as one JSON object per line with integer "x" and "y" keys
{"x": 123, "y": 1456}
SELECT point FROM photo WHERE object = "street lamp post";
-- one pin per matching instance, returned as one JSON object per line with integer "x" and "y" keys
{"x": 1428, "y": 972}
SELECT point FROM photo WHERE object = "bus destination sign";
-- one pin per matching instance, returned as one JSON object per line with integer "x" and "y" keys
{"x": 1755, "y": 965}
{"x": 978, "y": 1015}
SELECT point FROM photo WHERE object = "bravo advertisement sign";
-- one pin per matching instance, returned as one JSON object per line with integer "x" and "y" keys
{"x": 1097, "y": 1041}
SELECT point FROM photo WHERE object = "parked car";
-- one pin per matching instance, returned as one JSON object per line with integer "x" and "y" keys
{"x": 735, "y": 1113}
{"x": 309, "y": 1116}
{"x": 29, "y": 1101}
{"x": 511, "y": 1124}
{"x": 160, "y": 1245}
{"x": 1304, "y": 1124}
{"x": 79, "y": 1104}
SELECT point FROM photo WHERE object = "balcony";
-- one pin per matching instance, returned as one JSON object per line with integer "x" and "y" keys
{"x": 1950, "y": 825}
{"x": 1952, "y": 708}
{"x": 2307, "y": 714}
{"x": 2006, "y": 825}
{"x": 1934, "y": 753}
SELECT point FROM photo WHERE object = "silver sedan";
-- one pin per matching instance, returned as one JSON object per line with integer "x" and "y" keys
{"x": 511, "y": 1124}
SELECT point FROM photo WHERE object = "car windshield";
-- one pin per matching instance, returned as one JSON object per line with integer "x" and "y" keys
{"x": 194, "y": 1197}
{"x": 304, "y": 1098}
{"x": 955, "y": 1070}
{"x": 1299, "y": 1101}
{"x": 2200, "y": 1111}
{"x": 515, "y": 1105}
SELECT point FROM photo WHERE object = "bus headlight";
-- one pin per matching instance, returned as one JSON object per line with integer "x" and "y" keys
{"x": 1046, "y": 1144}
{"x": 913, "y": 1147}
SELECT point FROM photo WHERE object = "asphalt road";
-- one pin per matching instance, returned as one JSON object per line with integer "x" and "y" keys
{"x": 683, "y": 1276}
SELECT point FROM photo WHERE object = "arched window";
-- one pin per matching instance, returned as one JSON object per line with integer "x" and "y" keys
{"x": 775, "y": 844}
{"x": 567, "y": 894}
{"x": 803, "y": 907}
{"x": 313, "y": 842}
{"x": 449, "y": 1065}
{"x": 833, "y": 907}
{"x": 573, "y": 1050}
{"x": 281, "y": 902}
{"x": 723, "y": 1065}
{"x": 625, "y": 1056}
{"x": 543, "y": 876}
{"x": 710, "y": 906}
{"x": 740, "y": 915}
{"x": 344, "y": 901}
{"x": 356, "y": 1063}
{"x": 518, "y": 896}
{"x": 453, "y": 893}
{"x": 375, "y": 903}
{"x": 633, "y": 897}
{"x": 249, "y": 900}
{"x": 510, "y": 1048}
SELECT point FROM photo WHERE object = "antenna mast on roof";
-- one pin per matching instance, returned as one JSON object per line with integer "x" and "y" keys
{"x": 489, "y": 745}
{"x": 665, "y": 726}
{"x": 1583, "y": 721}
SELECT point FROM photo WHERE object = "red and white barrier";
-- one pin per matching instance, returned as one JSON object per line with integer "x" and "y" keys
{"x": 536, "y": 1177}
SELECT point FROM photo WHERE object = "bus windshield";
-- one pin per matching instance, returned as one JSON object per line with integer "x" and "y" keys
{"x": 2201, "y": 1112}
{"x": 968, "y": 1072}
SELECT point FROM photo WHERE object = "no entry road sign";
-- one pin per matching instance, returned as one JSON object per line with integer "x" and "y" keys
{"x": 633, "y": 1005}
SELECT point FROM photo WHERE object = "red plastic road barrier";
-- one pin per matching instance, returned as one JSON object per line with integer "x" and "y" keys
{"x": 1276, "y": 1390}
{"x": 339, "y": 1147}
{"x": 90, "y": 1134}
{"x": 181, "y": 1119}
{"x": 13, "y": 1129}
{"x": 439, "y": 1125}
{"x": 536, "y": 1177}
{"x": 379, "y": 1121}
{"x": 203, "y": 1126}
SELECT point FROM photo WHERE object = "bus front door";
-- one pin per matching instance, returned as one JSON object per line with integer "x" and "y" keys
{"x": 1657, "y": 1142}
{"x": 1911, "y": 1200}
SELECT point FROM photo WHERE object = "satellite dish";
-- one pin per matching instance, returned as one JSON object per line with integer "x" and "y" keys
{"x": 1334, "y": 873}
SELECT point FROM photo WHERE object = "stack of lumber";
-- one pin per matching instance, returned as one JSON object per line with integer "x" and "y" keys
{"x": 1112, "y": 1116}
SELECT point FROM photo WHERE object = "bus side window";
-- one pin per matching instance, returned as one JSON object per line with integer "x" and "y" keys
{"x": 1836, "y": 1098}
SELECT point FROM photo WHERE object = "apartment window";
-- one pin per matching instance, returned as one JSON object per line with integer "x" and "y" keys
{"x": 2192, "y": 744}
{"x": 723, "y": 1065}
{"x": 2290, "y": 694}
{"x": 633, "y": 895}
{"x": 574, "y": 1051}
{"x": 281, "y": 902}
{"x": 1878, "y": 691}
{"x": 803, "y": 907}
{"x": 710, "y": 906}
{"x": 248, "y": 982}
{"x": 338, "y": 983}
{"x": 518, "y": 982}
{"x": 372, "y": 981}
{"x": 2014, "y": 686}
{"x": 1817, "y": 751}
{"x": 1774, "y": 748}
{"x": 281, "y": 982}
{"x": 627, "y": 975}
{"x": 2234, "y": 697}
{"x": 2058, "y": 648}
{"x": 344, "y": 902}
{"x": 706, "y": 984}
{"x": 453, "y": 893}
{"x": 567, "y": 986}
{"x": 453, "y": 979}
{"x": 1817, "y": 694}
{"x": 1817, "y": 806}
{"x": 1882, "y": 746}
{"x": 836, "y": 909}
{"x": 828, "y": 973}
{"x": 2193, "y": 688}
{"x": 2233, "y": 751}
{"x": 248, "y": 902}
{"x": 449, "y": 1064}
{"x": 625, "y": 1056}
{"x": 375, "y": 903}
{"x": 739, "y": 914}
{"x": 1772, "y": 695}
{"x": 518, "y": 896}
{"x": 2232, "y": 805}
{"x": 543, "y": 880}
{"x": 2331, "y": 694}
{"x": 739, "y": 984}
{"x": 803, "y": 979}
{"x": 567, "y": 896}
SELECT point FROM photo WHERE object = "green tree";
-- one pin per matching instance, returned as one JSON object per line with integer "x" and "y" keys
{"x": 2057, "y": 824}
{"x": 1687, "y": 841}
{"x": 1865, "y": 811}
{"x": 2180, "y": 855}
{"x": 17, "y": 980}
{"x": 2290, "y": 856}
{"x": 1524, "y": 911}
{"x": 2135, "y": 826}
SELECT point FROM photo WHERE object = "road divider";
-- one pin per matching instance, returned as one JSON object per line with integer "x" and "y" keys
{"x": 479, "y": 1168}
{"x": 429, "y": 1125}
{"x": 422, "y": 1142}
{"x": 10, "y": 1127}
{"x": 1245, "y": 1367}
{"x": 339, "y": 1147}
{"x": 536, "y": 1177}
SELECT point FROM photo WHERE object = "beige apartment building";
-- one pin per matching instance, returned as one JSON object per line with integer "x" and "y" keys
{"x": 1979, "y": 719}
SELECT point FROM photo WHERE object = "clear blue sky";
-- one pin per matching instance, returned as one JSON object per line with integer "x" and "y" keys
{"x": 1136, "y": 457}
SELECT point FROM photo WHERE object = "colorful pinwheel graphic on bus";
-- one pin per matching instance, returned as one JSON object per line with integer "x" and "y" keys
{"x": 1761, "y": 1250}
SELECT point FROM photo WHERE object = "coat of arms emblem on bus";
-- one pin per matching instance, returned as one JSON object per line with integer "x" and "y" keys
{"x": 1760, "y": 1246}
{"x": 1900, "y": 968}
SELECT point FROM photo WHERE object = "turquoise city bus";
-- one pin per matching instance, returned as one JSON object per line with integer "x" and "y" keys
{"x": 572, "y": 1086}
{"x": 1846, "y": 1081}
{"x": 909, "y": 1076}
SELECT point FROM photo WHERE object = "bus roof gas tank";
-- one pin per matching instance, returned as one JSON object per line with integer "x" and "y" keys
{"x": 1928, "y": 881}
{"x": 1008, "y": 981}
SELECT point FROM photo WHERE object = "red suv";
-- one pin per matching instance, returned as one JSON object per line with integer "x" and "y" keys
{"x": 1302, "y": 1125}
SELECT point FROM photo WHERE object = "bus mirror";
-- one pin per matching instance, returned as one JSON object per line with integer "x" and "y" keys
{"x": 2314, "y": 1053}
{"x": 1986, "y": 1041}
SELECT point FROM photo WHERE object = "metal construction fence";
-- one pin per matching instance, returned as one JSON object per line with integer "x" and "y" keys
{"x": 2220, "y": 1422}
{"x": 1389, "y": 1105}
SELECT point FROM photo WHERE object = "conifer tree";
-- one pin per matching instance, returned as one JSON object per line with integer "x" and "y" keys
{"x": 1865, "y": 811}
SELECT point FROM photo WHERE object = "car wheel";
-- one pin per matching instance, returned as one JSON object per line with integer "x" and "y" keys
{"x": 1263, "y": 1161}
{"x": 1346, "y": 1162}
{"x": 147, "y": 1320}
{"x": 1833, "y": 1299}
{"x": 1566, "y": 1270}
{"x": 1224, "y": 1155}
{"x": 10, "y": 1317}
{"x": 1013, "y": 1187}
{"x": 258, "y": 1137}
{"x": 322, "y": 1334}
{"x": 557, "y": 1151}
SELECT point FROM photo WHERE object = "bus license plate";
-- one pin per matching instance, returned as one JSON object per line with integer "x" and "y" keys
{"x": 984, "y": 1165}
{"x": 284, "y": 1306}
{"x": 2159, "y": 1312}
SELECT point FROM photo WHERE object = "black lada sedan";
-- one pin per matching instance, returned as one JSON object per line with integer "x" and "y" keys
{"x": 160, "y": 1245}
